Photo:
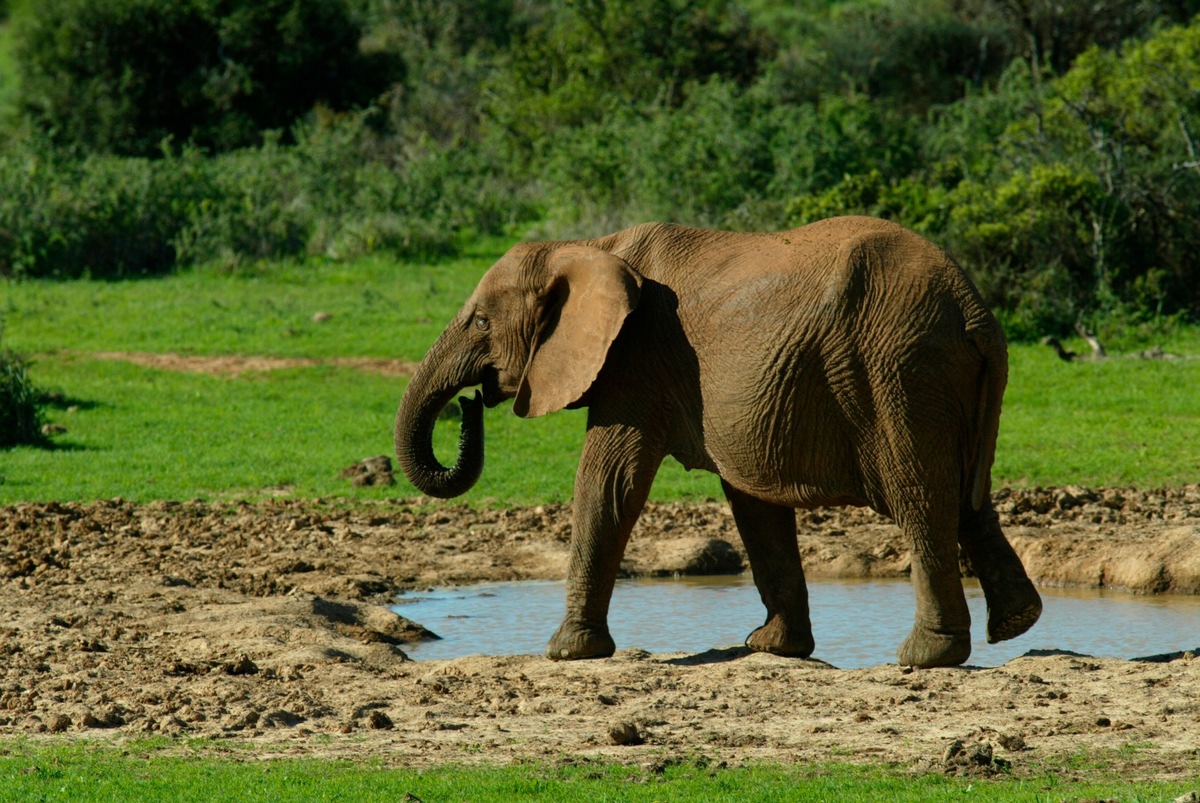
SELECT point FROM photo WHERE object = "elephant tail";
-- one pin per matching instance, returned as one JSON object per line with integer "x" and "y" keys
{"x": 988, "y": 338}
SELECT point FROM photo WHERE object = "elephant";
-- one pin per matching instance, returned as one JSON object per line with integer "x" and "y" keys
{"x": 846, "y": 362}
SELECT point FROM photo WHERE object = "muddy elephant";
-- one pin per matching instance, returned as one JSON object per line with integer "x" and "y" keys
{"x": 848, "y": 362}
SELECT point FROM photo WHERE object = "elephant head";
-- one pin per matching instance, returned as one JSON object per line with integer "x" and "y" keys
{"x": 536, "y": 330}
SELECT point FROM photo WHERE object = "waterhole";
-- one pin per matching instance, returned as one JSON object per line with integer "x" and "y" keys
{"x": 856, "y": 623}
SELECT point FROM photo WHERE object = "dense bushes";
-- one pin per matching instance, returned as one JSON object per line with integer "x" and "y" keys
{"x": 122, "y": 76}
{"x": 331, "y": 193}
{"x": 1064, "y": 176}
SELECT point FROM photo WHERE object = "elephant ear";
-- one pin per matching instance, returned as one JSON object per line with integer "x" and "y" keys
{"x": 588, "y": 295}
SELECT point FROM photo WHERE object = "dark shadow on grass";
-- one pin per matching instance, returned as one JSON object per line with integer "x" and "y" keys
{"x": 59, "y": 400}
{"x": 46, "y": 444}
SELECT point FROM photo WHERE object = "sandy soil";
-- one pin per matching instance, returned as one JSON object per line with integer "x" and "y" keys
{"x": 268, "y": 622}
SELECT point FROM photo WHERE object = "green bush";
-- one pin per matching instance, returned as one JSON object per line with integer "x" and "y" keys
{"x": 100, "y": 216}
{"x": 122, "y": 76}
{"x": 579, "y": 62}
{"x": 725, "y": 157}
{"x": 338, "y": 191}
{"x": 1032, "y": 243}
{"x": 914, "y": 54}
{"x": 20, "y": 403}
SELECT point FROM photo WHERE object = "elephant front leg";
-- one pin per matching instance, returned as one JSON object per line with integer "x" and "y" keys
{"x": 614, "y": 478}
{"x": 769, "y": 534}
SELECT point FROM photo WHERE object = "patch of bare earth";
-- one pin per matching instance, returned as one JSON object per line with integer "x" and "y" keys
{"x": 269, "y": 622}
{"x": 234, "y": 365}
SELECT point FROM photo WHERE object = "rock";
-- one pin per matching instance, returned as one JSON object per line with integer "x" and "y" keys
{"x": 371, "y": 472}
{"x": 241, "y": 666}
{"x": 624, "y": 733}
{"x": 1012, "y": 742}
{"x": 377, "y": 720}
{"x": 107, "y": 719}
{"x": 281, "y": 717}
{"x": 59, "y": 723}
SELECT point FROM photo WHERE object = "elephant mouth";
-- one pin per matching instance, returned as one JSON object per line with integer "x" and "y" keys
{"x": 489, "y": 383}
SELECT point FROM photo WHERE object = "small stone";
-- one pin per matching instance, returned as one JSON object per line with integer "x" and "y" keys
{"x": 371, "y": 472}
{"x": 377, "y": 720}
{"x": 1013, "y": 743}
{"x": 952, "y": 750}
{"x": 281, "y": 718}
{"x": 242, "y": 666}
{"x": 625, "y": 733}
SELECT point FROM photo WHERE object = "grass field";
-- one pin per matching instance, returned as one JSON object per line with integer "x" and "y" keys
{"x": 154, "y": 771}
{"x": 147, "y": 433}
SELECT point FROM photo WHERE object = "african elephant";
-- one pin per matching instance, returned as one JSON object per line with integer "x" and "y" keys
{"x": 848, "y": 362}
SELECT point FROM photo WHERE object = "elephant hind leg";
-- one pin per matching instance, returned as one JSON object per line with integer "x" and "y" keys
{"x": 768, "y": 532}
{"x": 1013, "y": 604}
{"x": 941, "y": 634}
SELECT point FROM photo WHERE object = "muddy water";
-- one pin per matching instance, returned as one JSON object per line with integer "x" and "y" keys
{"x": 855, "y": 623}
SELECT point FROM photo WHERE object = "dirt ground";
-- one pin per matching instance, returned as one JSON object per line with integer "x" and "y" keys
{"x": 268, "y": 623}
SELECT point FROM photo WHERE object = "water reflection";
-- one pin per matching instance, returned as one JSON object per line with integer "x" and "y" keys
{"x": 856, "y": 623}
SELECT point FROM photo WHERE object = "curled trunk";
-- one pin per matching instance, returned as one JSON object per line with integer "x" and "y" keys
{"x": 419, "y": 410}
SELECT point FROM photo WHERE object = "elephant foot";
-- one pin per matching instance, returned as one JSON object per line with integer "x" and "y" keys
{"x": 928, "y": 648}
{"x": 775, "y": 637}
{"x": 573, "y": 641}
{"x": 1014, "y": 615}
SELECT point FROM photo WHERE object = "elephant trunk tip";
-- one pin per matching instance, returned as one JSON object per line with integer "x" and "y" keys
{"x": 414, "y": 447}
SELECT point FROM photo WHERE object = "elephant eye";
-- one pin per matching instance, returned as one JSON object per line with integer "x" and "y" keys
{"x": 482, "y": 323}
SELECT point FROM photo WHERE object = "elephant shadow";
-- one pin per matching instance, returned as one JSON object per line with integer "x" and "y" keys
{"x": 720, "y": 655}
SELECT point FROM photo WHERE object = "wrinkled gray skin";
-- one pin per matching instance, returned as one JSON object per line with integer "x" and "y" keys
{"x": 849, "y": 362}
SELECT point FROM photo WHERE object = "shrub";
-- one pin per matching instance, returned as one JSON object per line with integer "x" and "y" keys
{"x": 914, "y": 54}
{"x": 20, "y": 403}
{"x": 100, "y": 216}
{"x": 579, "y": 62}
{"x": 123, "y": 75}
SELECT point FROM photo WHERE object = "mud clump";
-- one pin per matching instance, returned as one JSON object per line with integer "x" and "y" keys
{"x": 371, "y": 472}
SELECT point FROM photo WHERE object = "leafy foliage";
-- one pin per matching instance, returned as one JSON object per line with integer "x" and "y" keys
{"x": 331, "y": 193}
{"x": 593, "y": 59}
{"x": 20, "y": 402}
{"x": 122, "y": 76}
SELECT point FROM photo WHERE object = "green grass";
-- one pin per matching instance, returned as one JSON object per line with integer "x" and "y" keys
{"x": 145, "y": 433}
{"x": 152, "y": 771}
{"x": 378, "y": 309}
{"x": 1121, "y": 421}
